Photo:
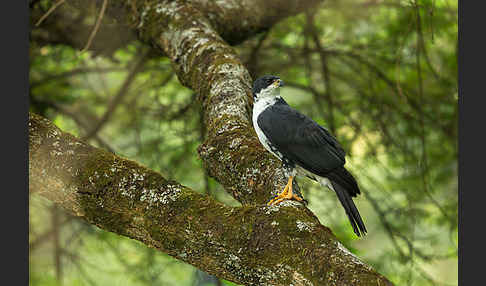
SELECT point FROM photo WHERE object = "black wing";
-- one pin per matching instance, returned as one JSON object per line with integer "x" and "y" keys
{"x": 301, "y": 139}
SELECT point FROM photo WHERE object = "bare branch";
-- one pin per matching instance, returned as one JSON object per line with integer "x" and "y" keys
{"x": 59, "y": 2}
{"x": 96, "y": 26}
{"x": 140, "y": 61}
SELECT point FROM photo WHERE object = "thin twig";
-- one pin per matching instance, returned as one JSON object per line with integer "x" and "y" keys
{"x": 398, "y": 61}
{"x": 55, "y": 213}
{"x": 74, "y": 116}
{"x": 96, "y": 27}
{"x": 119, "y": 96}
{"x": 252, "y": 62}
{"x": 324, "y": 71}
{"x": 59, "y": 76}
{"x": 57, "y": 4}
{"x": 46, "y": 235}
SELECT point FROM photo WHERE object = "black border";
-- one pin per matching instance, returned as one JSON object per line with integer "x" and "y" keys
{"x": 14, "y": 152}
{"x": 471, "y": 130}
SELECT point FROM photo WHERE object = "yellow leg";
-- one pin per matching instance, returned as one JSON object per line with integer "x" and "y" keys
{"x": 286, "y": 194}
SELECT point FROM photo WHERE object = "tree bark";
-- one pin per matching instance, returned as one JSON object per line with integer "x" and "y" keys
{"x": 189, "y": 33}
{"x": 251, "y": 245}
{"x": 204, "y": 62}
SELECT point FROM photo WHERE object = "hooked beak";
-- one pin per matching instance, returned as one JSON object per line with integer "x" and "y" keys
{"x": 278, "y": 83}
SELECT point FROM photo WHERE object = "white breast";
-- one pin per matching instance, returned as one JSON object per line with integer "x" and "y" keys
{"x": 259, "y": 106}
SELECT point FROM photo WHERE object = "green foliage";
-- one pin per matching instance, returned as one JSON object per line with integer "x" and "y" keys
{"x": 385, "y": 74}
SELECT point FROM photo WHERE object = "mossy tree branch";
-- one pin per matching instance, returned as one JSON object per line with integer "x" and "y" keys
{"x": 251, "y": 245}
{"x": 204, "y": 62}
{"x": 234, "y": 20}
{"x": 254, "y": 244}
{"x": 191, "y": 34}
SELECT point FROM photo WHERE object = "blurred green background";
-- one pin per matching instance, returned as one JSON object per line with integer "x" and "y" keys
{"x": 381, "y": 75}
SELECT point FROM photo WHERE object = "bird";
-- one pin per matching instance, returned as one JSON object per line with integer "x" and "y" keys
{"x": 304, "y": 147}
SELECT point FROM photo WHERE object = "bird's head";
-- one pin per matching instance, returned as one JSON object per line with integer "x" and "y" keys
{"x": 267, "y": 85}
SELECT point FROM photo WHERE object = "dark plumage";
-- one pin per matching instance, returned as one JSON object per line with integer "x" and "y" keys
{"x": 305, "y": 147}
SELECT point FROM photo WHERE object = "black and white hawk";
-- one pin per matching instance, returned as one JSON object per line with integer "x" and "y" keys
{"x": 304, "y": 147}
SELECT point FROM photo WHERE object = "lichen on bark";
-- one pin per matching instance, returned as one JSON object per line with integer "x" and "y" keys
{"x": 251, "y": 245}
{"x": 204, "y": 62}
{"x": 254, "y": 244}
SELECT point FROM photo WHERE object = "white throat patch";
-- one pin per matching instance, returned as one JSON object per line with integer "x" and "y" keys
{"x": 270, "y": 91}
{"x": 264, "y": 99}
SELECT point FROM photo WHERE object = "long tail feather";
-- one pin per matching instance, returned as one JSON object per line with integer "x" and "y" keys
{"x": 344, "y": 178}
{"x": 350, "y": 208}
